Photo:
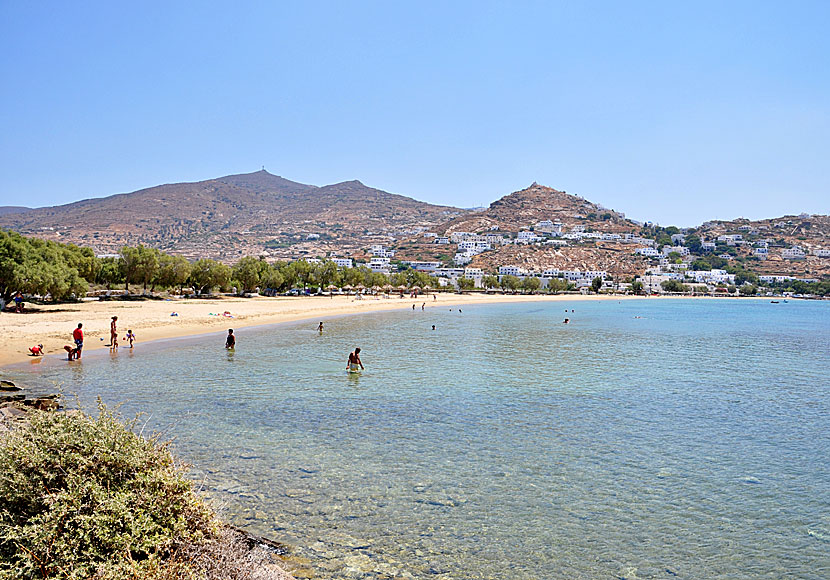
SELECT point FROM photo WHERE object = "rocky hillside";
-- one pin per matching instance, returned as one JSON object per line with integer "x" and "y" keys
{"x": 523, "y": 209}
{"x": 236, "y": 215}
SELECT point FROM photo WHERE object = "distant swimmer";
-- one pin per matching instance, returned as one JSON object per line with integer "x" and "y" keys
{"x": 320, "y": 328}
{"x": 36, "y": 350}
{"x": 460, "y": 310}
{"x": 566, "y": 321}
{"x": 413, "y": 307}
{"x": 433, "y": 327}
{"x": 424, "y": 305}
{"x": 354, "y": 361}
{"x": 230, "y": 342}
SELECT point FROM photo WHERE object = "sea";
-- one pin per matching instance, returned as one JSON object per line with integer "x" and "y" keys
{"x": 646, "y": 438}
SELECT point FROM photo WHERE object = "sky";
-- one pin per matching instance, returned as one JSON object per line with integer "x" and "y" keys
{"x": 675, "y": 112}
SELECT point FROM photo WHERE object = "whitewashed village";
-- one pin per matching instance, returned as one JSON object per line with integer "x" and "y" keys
{"x": 683, "y": 265}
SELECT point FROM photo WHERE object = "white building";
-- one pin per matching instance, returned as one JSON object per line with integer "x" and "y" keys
{"x": 462, "y": 258}
{"x": 342, "y": 262}
{"x": 425, "y": 266}
{"x": 381, "y": 252}
{"x": 511, "y": 271}
{"x": 794, "y": 253}
{"x": 379, "y": 264}
{"x": 441, "y": 240}
{"x": 822, "y": 253}
{"x": 761, "y": 253}
{"x": 682, "y": 250}
{"x": 312, "y": 236}
{"x": 711, "y": 276}
{"x": 651, "y": 252}
{"x": 678, "y": 239}
{"x": 526, "y": 237}
{"x": 548, "y": 227}
{"x": 708, "y": 246}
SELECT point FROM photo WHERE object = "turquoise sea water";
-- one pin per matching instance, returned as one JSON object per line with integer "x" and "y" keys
{"x": 692, "y": 442}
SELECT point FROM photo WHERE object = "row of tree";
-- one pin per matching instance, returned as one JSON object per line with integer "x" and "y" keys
{"x": 40, "y": 267}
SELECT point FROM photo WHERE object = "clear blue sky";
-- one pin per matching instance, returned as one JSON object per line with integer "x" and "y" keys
{"x": 672, "y": 111}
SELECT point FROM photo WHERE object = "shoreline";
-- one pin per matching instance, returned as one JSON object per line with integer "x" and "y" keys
{"x": 151, "y": 320}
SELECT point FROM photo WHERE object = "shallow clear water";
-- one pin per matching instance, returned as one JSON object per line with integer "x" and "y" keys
{"x": 693, "y": 442}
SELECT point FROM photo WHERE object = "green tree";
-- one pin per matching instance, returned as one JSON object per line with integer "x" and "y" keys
{"x": 207, "y": 274}
{"x": 637, "y": 287}
{"x": 130, "y": 263}
{"x": 466, "y": 284}
{"x": 509, "y": 282}
{"x": 173, "y": 271}
{"x": 272, "y": 279}
{"x": 326, "y": 273}
{"x": 531, "y": 284}
{"x": 748, "y": 290}
{"x": 109, "y": 272}
{"x": 596, "y": 284}
{"x": 673, "y": 286}
{"x": 557, "y": 285}
{"x": 247, "y": 270}
{"x": 490, "y": 281}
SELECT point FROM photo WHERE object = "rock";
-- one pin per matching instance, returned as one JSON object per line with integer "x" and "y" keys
{"x": 46, "y": 404}
{"x": 10, "y": 398}
{"x": 8, "y": 386}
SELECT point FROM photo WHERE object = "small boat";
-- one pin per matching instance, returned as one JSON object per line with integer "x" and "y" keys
{"x": 773, "y": 301}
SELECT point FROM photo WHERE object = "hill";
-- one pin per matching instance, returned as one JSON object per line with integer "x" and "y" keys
{"x": 235, "y": 215}
{"x": 523, "y": 210}
{"x": 7, "y": 209}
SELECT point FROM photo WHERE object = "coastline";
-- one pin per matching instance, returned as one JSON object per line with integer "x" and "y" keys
{"x": 151, "y": 320}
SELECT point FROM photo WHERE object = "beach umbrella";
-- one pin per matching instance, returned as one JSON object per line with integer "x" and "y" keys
{"x": 360, "y": 287}
{"x": 416, "y": 287}
{"x": 401, "y": 287}
{"x": 388, "y": 287}
{"x": 348, "y": 287}
{"x": 375, "y": 288}
{"x": 331, "y": 287}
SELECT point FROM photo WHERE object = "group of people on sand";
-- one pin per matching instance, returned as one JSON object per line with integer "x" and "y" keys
{"x": 74, "y": 352}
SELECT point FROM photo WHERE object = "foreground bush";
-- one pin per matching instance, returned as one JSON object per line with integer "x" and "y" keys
{"x": 86, "y": 497}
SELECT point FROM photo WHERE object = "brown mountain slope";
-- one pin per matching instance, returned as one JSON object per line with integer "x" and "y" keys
{"x": 523, "y": 209}
{"x": 232, "y": 216}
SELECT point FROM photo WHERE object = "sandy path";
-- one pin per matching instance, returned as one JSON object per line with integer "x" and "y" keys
{"x": 150, "y": 320}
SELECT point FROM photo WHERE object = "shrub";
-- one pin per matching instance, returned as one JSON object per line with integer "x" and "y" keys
{"x": 84, "y": 497}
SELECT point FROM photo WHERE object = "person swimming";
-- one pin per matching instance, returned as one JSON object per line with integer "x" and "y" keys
{"x": 566, "y": 321}
{"x": 354, "y": 361}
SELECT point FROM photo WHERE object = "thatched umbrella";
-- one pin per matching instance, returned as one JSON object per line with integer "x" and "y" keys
{"x": 348, "y": 287}
{"x": 360, "y": 287}
{"x": 402, "y": 288}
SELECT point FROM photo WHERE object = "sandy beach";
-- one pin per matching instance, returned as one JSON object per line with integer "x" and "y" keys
{"x": 52, "y": 326}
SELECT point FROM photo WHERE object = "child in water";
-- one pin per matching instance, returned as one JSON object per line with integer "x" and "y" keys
{"x": 130, "y": 336}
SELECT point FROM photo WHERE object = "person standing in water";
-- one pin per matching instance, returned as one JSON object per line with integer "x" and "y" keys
{"x": 78, "y": 337}
{"x": 113, "y": 333}
{"x": 230, "y": 342}
{"x": 354, "y": 361}
{"x": 130, "y": 336}
{"x": 320, "y": 328}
